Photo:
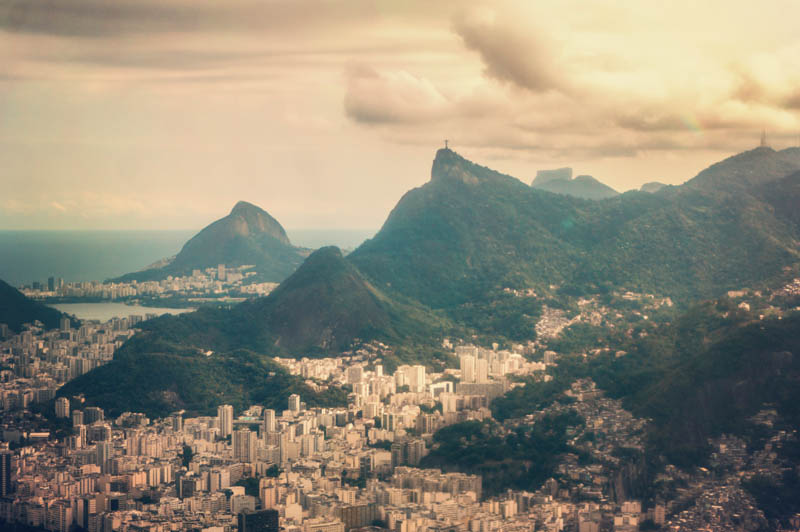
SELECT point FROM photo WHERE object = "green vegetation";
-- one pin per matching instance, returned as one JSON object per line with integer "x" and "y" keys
{"x": 702, "y": 374}
{"x": 16, "y": 309}
{"x": 779, "y": 499}
{"x": 470, "y": 232}
{"x": 152, "y": 376}
{"x": 440, "y": 266}
{"x": 500, "y": 317}
{"x": 186, "y": 455}
{"x": 273, "y": 471}
{"x": 323, "y": 308}
{"x": 520, "y": 458}
{"x": 250, "y": 485}
{"x": 533, "y": 396}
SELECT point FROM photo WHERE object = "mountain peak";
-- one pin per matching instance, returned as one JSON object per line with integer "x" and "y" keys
{"x": 446, "y": 164}
{"x": 752, "y": 167}
{"x": 242, "y": 207}
{"x": 450, "y": 166}
{"x": 559, "y": 181}
{"x": 248, "y": 219}
{"x": 652, "y": 187}
{"x": 545, "y": 176}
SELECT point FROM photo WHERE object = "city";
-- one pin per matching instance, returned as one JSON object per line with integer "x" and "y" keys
{"x": 355, "y": 467}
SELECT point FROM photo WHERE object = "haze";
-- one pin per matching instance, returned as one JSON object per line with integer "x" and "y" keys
{"x": 139, "y": 114}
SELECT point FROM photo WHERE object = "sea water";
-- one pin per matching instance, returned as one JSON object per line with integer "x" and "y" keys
{"x": 27, "y": 256}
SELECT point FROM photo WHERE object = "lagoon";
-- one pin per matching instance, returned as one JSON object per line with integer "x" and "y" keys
{"x": 106, "y": 311}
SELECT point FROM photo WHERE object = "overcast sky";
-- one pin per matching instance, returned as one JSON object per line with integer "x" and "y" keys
{"x": 128, "y": 114}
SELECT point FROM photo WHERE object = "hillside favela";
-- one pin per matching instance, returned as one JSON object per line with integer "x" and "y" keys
{"x": 412, "y": 266}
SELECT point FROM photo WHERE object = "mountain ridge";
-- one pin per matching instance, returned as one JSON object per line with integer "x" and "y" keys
{"x": 442, "y": 261}
{"x": 471, "y": 230}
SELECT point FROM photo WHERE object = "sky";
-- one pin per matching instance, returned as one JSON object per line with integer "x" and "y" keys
{"x": 162, "y": 114}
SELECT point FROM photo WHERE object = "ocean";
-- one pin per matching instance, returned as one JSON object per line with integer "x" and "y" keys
{"x": 27, "y": 256}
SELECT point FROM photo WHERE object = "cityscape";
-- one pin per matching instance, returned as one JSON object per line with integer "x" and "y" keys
{"x": 399, "y": 266}
{"x": 357, "y": 467}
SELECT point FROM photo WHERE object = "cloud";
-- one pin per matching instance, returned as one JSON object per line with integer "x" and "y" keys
{"x": 521, "y": 56}
{"x": 97, "y": 18}
{"x": 121, "y": 18}
{"x": 374, "y": 97}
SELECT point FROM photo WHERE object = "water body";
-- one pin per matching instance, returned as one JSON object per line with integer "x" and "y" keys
{"x": 106, "y": 311}
{"x": 27, "y": 256}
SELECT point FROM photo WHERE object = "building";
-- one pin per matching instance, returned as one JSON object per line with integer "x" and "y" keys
{"x": 244, "y": 445}
{"x": 467, "y": 364}
{"x": 225, "y": 420}
{"x": 263, "y": 521}
{"x": 355, "y": 374}
{"x": 92, "y": 414}
{"x": 5, "y": 473}
{"x": 269, "y": 421}
{"x": 416, "y": 380}
{"x": 358, "y": 515}
{"x": 481, "y": 371}
{"x": 105, "y": 451}
{"x": 294, "y": 402}
{"x": 177, "y": 421}
{"x": 62, "y": 407}
{"x": 323, "y": 525}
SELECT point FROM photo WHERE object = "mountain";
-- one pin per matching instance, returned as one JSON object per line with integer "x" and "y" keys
{"x": 583, "y": 186}
{"x": 440, "y": 265}
{"x": 325, "y": 307}
{"x": 467, "y": 232}
{"x": 652, "y": 187}
{"x": 158, "y": 377}
{"x": 782, "y": 196}
{"x": 470, "y": 232}
{"x": 248, "y": 235}
{"x": 17, "y": 309}
{"x": 545, "y": 176}
{"x": 754, "y": 167}
{"x": 322, "y": 308}
{"x": 704, "y": 374}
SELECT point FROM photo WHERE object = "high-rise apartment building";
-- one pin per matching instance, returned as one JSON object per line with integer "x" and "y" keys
{"x": 225, "y": 420}
{"x": 62, "y": 407}
{"x": 294, "y": 402}
{"x": 244, "y": 445}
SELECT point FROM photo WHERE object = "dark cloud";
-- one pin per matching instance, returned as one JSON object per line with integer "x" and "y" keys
{"x": 748, "y": 88}
{"x": 119, "y": 18}
{"x": 793, "y": 100}
{"x": 510, "y": 54}
{"x": 98, "y": 18}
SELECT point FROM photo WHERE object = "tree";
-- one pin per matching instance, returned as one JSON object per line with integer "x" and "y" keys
{"x": 186, "y": 455}
{"x": 274, "y": 471}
